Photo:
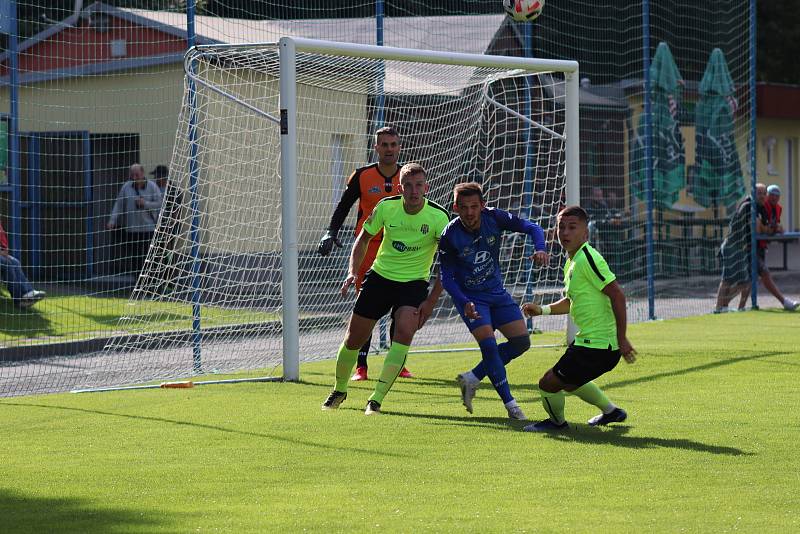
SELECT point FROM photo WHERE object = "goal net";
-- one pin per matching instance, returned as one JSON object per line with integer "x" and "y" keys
{"x": 233, "y": 281}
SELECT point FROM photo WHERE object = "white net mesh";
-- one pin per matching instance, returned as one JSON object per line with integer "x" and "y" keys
{"x": 449, "y": 121}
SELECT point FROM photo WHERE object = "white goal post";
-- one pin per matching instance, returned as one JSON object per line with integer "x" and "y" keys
{"x": 267, "y": 135}
{"x": 289, "y": 48}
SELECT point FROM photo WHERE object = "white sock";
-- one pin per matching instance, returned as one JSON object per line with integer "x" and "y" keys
{"x": 610, "y": 408}
{"x": 512, "y": 404}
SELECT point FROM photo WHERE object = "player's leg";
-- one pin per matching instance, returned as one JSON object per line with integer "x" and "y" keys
{"x": 495, "y": 368}
{"x": 369, "y": 307}
{"x": 517, "y": 338}
{"x": 405, "y": 297}
{"x": 551, "y": 389}
{"x": 361, "y": 365}
{"x": 585, "y": 365}
{"x": 366, "y": 265}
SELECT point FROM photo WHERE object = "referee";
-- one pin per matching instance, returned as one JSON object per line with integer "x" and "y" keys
{"x": 397, "y": 282}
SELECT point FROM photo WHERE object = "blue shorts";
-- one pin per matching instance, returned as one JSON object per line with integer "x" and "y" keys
{"x": 496, "y": 309}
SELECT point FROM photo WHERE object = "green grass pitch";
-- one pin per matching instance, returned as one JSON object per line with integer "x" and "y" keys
{"x": 710, "y": 445}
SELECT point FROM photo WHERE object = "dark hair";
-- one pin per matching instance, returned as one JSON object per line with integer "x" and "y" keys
{"x": 410, "y": 169}
{"x": 468, "y": 189}
{"x": 574, "y": 211}
{"x": 386, "y": 130}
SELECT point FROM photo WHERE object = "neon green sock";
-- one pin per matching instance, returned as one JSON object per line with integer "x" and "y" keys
{"x": 392, "y": 365}
{"x": 554, "y": 405}
{"x": 589, "y": 392}
{"x": 345, "y": 360}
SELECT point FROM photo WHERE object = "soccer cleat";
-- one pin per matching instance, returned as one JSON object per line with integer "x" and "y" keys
{"x": 405, "y": 373}
{"x": 515, "y": 412}
{"x": 361, "y": 374}
{"x": 723, "y": 309}
{"x": 790, "y": 305}
{"x": 546, "y": 426}
{"x": 373, "y": 408}
{"x": 617, "y": 416}
{"x": 30, "y": 298}
{"x": 468, "y": 390}
{"x": 334, "y": 400}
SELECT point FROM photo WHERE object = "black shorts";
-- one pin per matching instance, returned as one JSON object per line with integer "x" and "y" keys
{"x": 580, "y": 365}
{"x": 379, "y": 295}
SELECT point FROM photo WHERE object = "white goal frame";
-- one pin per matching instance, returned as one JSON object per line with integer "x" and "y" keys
{"x": 288, "y": 48}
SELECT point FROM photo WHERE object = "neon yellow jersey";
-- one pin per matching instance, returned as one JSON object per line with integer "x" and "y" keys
{"x": 585, "y": 276}
{"x": 409, "y": 241}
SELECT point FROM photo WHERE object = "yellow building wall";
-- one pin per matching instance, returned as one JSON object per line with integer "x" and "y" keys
{"x": 780, "y": 137}
{"x": 145, "y": 102}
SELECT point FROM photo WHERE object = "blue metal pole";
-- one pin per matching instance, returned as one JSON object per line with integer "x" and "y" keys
{"x": 15, "y": 240}
{"x": 380, "y": 102}
{"x": 527, "y": 184}
{"x": 194, "y": 173}
{"x": 380, "y": 119}
{"x": 88, "y": 196}
{"x": 753, "y": 172}
{"x": 34, "y": 197}
{"x": 648, "y": 156}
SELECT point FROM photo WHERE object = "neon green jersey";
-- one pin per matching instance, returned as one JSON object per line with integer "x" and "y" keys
{"x": 409, "y": 241}
{"x": 585, "y": 276}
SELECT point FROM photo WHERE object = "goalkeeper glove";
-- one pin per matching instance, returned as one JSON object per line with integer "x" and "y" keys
{"x": 327, "y": 242}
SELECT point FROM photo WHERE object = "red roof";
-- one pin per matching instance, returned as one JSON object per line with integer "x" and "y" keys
{"x": 777, "y": 101}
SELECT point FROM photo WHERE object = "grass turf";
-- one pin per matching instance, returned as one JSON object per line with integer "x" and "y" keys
{"x": 710, "y": 446}
{"x": 75, "y": 317}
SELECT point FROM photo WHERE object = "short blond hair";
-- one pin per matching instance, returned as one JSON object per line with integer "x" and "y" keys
{"x": 410, "y": 169}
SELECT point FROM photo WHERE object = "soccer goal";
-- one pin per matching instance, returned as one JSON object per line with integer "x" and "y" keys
{"x": 267, "y": 136}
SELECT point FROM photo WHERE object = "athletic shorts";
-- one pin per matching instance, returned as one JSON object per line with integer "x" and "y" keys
{"x": 580, "y": 364}
{"x": 496, "y": 309}
{"x": 379, "y": 295}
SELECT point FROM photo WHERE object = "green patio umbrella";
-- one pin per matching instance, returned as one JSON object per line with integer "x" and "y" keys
{"x": 669, "y": 171}
{"x": 718, "y": 179}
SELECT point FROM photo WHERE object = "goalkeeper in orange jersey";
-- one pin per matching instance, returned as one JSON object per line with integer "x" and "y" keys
{"x": 368, "y": 185}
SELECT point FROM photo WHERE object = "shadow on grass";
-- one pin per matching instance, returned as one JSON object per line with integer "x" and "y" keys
{"x": 25, "y": 513}
{"x": 274, "y": 437}
{"x": 28, "y": 320}
{"x": 616, "y": 435}
{"x": 694, "y": 369}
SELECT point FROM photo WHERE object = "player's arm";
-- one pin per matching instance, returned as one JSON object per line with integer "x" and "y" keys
{"x": 614, "y": 292}
{"x": 426, "y": 308}
{"x": 356, "y": 257}
{"x": 351, "y": 194}
{"x": 447, "y": 268}
{"x": 560, "y": 307}
{"x": 511, "y": 222}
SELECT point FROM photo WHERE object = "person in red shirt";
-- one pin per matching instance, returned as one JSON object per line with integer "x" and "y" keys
{"x": 22, "y": 292}
{"x": 368, "y": 185}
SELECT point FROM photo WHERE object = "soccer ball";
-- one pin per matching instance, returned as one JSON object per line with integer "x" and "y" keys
{"x": 523, "y": 10}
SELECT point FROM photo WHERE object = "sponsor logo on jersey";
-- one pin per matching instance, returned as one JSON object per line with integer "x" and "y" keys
{"x": 374, "y": 189}
{"x": 482, "y": 256}
{"x": 402, "y": 247}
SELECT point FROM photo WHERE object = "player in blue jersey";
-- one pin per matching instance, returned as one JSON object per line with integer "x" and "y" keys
{"x": 469, "y": 253}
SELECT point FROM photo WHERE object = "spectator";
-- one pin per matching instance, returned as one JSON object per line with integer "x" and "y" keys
{"x": 773, "y": 209}
{"x": 22, "y": 292}
{"x": 734, "y": 255}
{"x": 769, "y": 224}
{"x": 137, "y": 204}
